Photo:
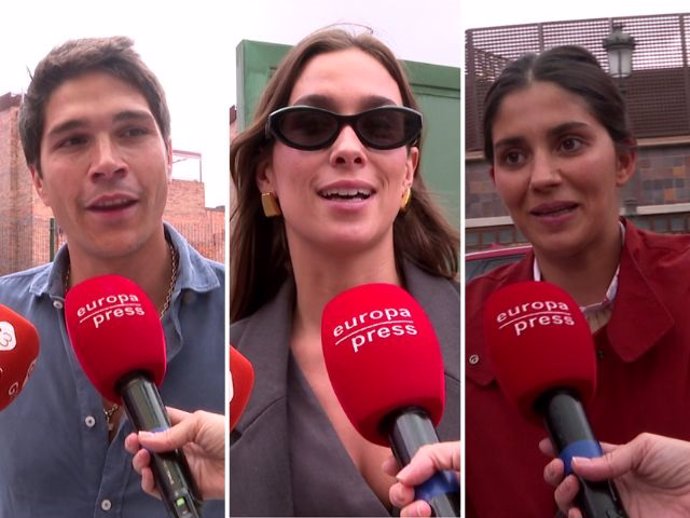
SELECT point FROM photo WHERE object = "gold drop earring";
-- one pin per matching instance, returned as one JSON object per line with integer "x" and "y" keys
{"x": 269, "y": 202}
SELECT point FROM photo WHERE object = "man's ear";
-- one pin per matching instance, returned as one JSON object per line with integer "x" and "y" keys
{"x": 37, "y": 180}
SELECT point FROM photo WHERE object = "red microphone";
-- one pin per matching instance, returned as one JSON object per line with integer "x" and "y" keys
{"x": 542, "y": 352}
{"x": 18, "y": 354}
{"x": 386, "y": 368}
{"x": 242, "y": 377}
{"x": 117, "y": 336}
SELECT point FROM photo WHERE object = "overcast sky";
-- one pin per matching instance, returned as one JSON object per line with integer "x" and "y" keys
{"x": 191, "y": 45}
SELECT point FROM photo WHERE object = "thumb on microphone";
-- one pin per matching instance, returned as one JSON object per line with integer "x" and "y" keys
{"x": 180, "y": 433}
{"x": 616, "y": 461}
{"x": 428, "y": 460}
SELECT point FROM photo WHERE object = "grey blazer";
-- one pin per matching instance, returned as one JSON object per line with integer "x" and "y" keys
{"x": 260, "y": 471}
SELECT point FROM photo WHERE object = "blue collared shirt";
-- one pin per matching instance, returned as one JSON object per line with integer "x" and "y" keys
{"x": 55, "y": 458}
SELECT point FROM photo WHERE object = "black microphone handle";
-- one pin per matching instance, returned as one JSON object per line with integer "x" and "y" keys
{"x": 408, "y": 431}
{"x": 173, "y": 478}
{"x": 567, "y": 424}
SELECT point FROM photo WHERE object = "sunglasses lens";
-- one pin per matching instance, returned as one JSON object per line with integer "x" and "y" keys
{"x": 307, "y": 129}
{"x": 310, "y": 129}
{"x": 388, "y": 128}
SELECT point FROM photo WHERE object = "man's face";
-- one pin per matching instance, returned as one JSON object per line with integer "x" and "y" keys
{"x": 104, "y": 167}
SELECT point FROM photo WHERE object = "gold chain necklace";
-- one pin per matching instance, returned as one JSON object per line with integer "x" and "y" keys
{"x": 109, "y": 412}
{"x": 175, "y": 267}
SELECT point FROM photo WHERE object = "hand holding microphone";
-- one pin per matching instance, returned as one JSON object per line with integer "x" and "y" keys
{"x": 428, "y": 460}
{"x": 202, "y": 437}
{"x": 543, "y": 356}
{"x": 652, "y": 474}
{"x": 118, "y": 338}
{"x": 18, "y": 354}
{"x": 386, "y": 369}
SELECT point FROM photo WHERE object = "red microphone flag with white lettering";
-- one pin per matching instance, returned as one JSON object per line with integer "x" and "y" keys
{"x": 18, "y": 353}
{"x": 115, "y": 330}
{"x": 382, "y": 356}
{"x": 538, "y": 340}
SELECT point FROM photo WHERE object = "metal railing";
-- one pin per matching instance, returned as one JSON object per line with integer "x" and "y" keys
{"x": 657, "y": 92}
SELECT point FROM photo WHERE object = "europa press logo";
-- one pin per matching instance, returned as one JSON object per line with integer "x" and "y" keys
{"x": 529, "y": 315}
{"x": 110, "y": 308}
{"x": 8, "y": 338}
{"x": 374, "y": 325}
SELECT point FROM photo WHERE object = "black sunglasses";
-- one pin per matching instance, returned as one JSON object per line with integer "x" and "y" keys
{"x": 310, "y": 128}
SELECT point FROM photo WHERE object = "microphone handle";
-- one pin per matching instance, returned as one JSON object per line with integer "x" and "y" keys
{"x": 409, "y": 430}
{"x": 173, "y": 477}
{"x": 572, "y": 436}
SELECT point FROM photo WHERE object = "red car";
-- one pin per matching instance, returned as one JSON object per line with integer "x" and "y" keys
{"x": 478, "y": 263}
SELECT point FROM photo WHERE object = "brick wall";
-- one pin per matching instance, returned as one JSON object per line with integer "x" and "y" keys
{"x": 16, "y": 193}
{"x": 662, "y": 176}
{"x": 204, "y": 228}
{"x": 6, "y": 247}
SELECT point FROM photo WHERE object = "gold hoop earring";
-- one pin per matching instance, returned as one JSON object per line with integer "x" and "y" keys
{"x": 269, "y": 202}
{"x": 405, "y": 200}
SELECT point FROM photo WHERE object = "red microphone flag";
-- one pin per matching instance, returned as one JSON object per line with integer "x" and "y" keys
{"x": 242, "y": 374}
{"x": 18, "y": 353}
{"x": 382, "y": 356}
{"x": 115, "y": 330}
{"x": 538, "y": 340}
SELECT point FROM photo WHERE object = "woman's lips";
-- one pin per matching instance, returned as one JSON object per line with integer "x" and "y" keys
{"x": 346, "y": 194}
{"x": 552, "y": 210}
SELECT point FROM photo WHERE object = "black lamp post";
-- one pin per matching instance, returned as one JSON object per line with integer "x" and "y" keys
{"x": 619, "y": 47}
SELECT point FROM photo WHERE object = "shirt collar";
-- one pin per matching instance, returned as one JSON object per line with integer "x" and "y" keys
{"x": 610, "y": 296}
{"x": 195, "y": 272}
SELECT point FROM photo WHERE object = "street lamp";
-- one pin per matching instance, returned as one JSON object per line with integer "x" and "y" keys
{"x": 619, "y": 47}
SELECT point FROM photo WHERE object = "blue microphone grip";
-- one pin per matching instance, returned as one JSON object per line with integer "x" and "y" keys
{"x": 411, "y": 429}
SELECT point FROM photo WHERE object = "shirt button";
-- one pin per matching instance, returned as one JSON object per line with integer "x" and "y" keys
{"x": 106, "y": 504}
{"x": 474, "y": 359}
{"x": 90, "y": 421}
{"x": 57, "y": 304}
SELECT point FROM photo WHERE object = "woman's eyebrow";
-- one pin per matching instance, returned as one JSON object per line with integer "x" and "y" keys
{"x": 328, "y": 103}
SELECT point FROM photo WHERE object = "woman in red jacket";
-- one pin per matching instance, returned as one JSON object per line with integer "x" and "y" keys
{"x": 560, "y": 146}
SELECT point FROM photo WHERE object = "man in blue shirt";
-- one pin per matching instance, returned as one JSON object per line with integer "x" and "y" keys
{"x": 95, "y": 128}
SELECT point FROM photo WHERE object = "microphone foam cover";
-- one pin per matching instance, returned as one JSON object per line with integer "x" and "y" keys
{"x": 242, "y": 374}
{"x": 18, "y": 353}
{"x": 115, "y": 331}
{"x": 537, "y": 341}
{"x": 382, "y": 356}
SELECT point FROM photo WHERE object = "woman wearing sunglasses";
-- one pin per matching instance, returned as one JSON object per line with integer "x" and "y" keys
{"x": 329, "y": 197}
